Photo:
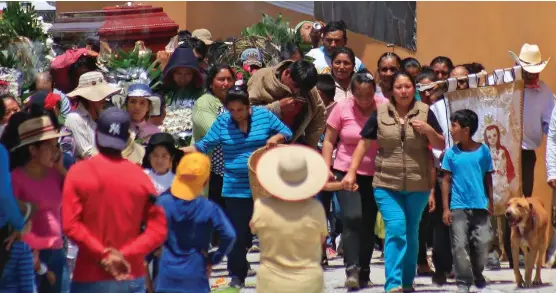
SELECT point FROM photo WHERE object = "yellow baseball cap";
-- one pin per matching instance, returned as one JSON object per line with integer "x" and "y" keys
{"x": 192, "y": 174}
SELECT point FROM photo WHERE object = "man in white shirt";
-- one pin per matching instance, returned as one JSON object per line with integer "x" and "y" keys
{"x": 334, "y": 35}
{"x": 538, "y": 102}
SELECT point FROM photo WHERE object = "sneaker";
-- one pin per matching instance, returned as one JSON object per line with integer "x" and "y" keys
{"x": 463, "y": 289}
{"x": 331, "y": 253}
{"x": 236, "y": 283}
{"x": 439, "y": 279}
{"x": 340, "y": 249}
{"x": 352, "y": 280}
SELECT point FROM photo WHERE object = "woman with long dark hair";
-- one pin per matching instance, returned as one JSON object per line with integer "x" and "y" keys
{"x": 38, "y": 180}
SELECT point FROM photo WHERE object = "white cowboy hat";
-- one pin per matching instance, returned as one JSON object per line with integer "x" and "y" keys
{"x": 37, "y": 129}
{"x": 292, "y": 173}
{"x": 93, "y": 87}
{"x": 530, "y": 58}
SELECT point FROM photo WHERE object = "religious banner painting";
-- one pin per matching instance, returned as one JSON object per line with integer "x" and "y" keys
{"x": 499, "y": 108}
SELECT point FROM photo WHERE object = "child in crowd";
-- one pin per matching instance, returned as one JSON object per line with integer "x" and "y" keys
{"x": 186, "y": 263}
{"x": 157, "y": 162}
{"x": 18, "y": 275}
{"x": 327, "y": 90}
{"x": 467, "y": 170}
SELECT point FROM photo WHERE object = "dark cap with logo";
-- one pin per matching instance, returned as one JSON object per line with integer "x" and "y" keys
{"x": 113, "y": 129}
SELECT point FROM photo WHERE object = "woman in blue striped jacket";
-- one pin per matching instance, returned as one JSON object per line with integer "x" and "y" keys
{"x": 240, "y": 131}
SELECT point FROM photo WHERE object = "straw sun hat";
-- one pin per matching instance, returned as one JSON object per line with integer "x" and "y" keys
{"x": 37, "y": 129}
{"x": 93, "y": 87}
{"x": 292, "y": 173}
{"x": 530, "y": 58}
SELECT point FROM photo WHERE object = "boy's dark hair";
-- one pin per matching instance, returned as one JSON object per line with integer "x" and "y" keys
{"x": 238, "y": 93}
{"x": 425, "y": 75}
{"x": 326, "y": 85}
{"x": 304, "y": 74}
{"x": 335, "y": 26}
{"x": 466, "y": 118}
{"x": 410, "y": 62}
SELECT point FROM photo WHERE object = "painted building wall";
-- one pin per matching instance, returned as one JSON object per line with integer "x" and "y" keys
{"x": 464, "y": 31}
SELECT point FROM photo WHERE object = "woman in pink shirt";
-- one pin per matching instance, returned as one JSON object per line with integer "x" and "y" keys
{"x": 358, "y": 209}
{"x": 38, "y": 180}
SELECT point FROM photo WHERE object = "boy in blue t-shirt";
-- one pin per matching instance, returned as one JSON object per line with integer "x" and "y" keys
{"x": 467, "y": 170}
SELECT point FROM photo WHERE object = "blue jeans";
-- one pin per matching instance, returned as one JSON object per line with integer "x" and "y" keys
{"x": 131, "y": 286}
{"x": 401, "y": 212}
{"x": 55, "y": 260}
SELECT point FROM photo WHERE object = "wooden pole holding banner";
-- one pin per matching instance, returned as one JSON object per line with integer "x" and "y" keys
{"x": 441, "y": 83}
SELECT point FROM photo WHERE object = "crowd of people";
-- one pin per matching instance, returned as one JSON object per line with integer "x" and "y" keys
{"x": 147, "y": 193}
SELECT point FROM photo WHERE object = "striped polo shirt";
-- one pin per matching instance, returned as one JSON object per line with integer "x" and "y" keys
{"x": 237, "y": 146}
{"x": 19, "y": 274}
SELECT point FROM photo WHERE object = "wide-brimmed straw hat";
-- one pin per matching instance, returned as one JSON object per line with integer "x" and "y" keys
{"x": 192, "y": 174}
{"x": 530, "y": 58}
{"x": 292, "y": 173}
{"x": 37, "y": 129}
{"x": 93, "y": 87}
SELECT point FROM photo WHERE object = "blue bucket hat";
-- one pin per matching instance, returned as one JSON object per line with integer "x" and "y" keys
{"x": 140, "y": 90}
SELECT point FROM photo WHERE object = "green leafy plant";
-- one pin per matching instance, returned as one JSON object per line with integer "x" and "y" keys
{"x": 276, "y": 29}
{"x": 129, "y": 66}
{"x": 18, "y": 21}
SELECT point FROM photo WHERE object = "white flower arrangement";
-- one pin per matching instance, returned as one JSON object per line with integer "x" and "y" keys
{"x": 14, "y": 79}
{"x": 179, "y": 121}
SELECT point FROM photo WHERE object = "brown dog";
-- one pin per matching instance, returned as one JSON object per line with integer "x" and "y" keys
{"x": 528, "y": 220}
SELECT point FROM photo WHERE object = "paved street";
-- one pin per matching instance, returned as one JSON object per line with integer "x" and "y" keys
{"x": 502, "y": 280}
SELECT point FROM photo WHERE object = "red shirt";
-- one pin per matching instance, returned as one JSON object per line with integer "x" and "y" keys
{"x": 289, "y": 117}
{"x": 105, "y": 203}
